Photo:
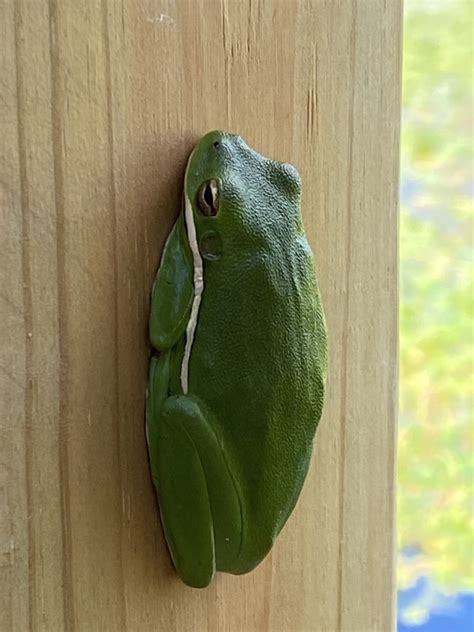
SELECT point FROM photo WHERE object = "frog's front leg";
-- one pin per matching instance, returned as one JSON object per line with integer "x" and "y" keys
{"x": 199, "y": 503}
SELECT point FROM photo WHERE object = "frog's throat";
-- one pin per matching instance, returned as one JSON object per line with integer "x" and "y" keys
{"x": 198, "y": 281}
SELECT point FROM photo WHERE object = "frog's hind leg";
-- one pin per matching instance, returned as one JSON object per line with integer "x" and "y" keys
{"x": 199, "y": 503}
{"x": 184, "y": 505}
{"x": 179, "y": 481}
{"x": 156, "y": 394}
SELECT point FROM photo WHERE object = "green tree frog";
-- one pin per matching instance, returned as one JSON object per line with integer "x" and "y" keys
{"x": 236, "y": 387}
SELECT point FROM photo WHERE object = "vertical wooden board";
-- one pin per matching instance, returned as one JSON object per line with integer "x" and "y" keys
{"x": 96, "y": 166}
{"x": 14, "y": 477}
{"x": 40, "y": 301}
{"x": 324, "y": 103}
{"x": 89, "y": 404}
{"x": 370, "y": 360}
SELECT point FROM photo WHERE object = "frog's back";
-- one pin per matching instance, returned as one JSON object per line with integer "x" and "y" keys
{"x": 259, "y": 363}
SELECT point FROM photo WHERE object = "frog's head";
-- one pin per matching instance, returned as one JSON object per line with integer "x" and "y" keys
{"x": 238, "y": 200}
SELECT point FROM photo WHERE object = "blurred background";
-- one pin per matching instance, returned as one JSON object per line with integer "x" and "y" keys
{"x": 435, "y": 450}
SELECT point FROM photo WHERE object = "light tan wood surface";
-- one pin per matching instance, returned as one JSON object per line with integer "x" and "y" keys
{"x": 101, "y": 102}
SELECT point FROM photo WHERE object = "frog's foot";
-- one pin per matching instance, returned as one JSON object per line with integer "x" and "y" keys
{"x": 199, "y": 503}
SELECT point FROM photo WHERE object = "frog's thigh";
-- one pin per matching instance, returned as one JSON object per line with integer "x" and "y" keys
{"x": 157, "y": 392}
{"x": 199, "y": 503}
{"x": 184, "y": 505}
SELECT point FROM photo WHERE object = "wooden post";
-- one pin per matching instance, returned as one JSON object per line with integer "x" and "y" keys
{"x": 101, "y": 103}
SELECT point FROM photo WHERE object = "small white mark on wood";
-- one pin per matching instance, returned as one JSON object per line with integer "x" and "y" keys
{"x": 162, "y": 18}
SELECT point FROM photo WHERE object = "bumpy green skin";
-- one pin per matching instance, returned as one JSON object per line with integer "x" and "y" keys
{"x": 229, "y": 458}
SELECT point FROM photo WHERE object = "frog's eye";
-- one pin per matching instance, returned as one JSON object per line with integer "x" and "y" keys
{"x": 208, "y": 198}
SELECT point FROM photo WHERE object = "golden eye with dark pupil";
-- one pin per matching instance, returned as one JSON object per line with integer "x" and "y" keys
{"x": 208, "y": 198}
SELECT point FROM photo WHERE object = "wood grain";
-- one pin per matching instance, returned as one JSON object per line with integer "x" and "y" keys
{"x": 101, "y": 103}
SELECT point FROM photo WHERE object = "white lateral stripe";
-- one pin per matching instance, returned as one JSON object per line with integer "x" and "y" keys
{"x": 198, "y": 284}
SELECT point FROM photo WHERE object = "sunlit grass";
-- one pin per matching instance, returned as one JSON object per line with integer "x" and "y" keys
{"x": 436, "y": 465}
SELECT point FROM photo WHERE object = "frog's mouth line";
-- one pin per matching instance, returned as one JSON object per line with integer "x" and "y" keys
{"x": 198, "y": 281}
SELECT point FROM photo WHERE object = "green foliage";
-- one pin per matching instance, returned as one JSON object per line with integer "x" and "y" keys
{"x": 435, "y": 463}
